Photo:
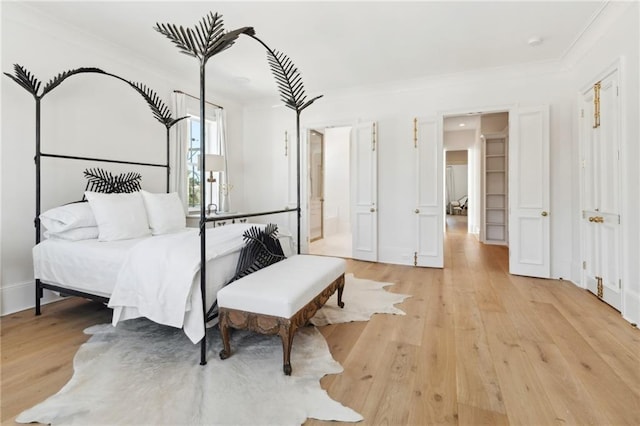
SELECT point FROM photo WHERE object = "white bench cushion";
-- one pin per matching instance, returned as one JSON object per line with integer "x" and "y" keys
{"x": 283, "y": 288}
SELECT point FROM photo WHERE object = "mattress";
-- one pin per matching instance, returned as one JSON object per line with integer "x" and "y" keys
{"x": 93, "y": 267}
{"x": 89, "y": 266}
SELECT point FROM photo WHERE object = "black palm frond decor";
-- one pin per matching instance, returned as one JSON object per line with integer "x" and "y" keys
{"x": 99, "y": 180}
{"x": 25, "y": 79}
{"x": 291, "y": 88}
{"x": 160, "y": 111}
{"x": 55, "y": 82}
{"x": 207, "y": 39}
{"x": 288, "y": 79}
{"x": 261, "y": 249}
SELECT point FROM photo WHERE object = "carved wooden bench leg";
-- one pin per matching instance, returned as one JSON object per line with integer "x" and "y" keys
{"x": 287, "y": 333}
{"x": 224, "y": 332}
{"x": 340, "y": 289}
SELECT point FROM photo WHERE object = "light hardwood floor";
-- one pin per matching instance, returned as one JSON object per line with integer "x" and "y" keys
{"x": 477, "y": 346}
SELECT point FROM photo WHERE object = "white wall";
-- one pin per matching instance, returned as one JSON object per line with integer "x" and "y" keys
{"x": 460, "y": 184}
{"x": 395, "y": 106}
{"x": 394, "y": 111}
{"x": 87, "y": 115}
{"x": 336, "y": 180}
{"x": 619, "y": 41}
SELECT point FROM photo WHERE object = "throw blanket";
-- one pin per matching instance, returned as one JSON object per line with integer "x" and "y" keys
{"x": 158, "y": 279}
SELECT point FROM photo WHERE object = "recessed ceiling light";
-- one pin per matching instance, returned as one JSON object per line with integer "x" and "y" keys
{"x": 534, "y": 41}
{"x": 461, "y": 124}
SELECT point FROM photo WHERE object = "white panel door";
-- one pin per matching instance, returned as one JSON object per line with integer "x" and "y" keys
{"x": 364, "y": 192}
{"x": 529, "y": 214}
{"x": 429, "y": 209}
{"x": 599, "y": 144}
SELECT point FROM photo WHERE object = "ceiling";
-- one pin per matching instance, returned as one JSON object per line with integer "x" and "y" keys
{"x": 338, "y": 45}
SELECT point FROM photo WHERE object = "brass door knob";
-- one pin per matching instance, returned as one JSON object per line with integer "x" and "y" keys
{"x": 591, "y": 219}
{"x": 417, "y": 211}
{"x": 544, "y": 213}
{"x": 372, "y": 210}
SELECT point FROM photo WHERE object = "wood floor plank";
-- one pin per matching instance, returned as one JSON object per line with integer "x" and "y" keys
{"x": 525, "y": 398}
{"x": 477, "y": 382}
{"x": 613, "y": 397}
{"x": 572, "y": 404}
{"x": 435, "y": 396}
{"x": 392, "y": 397}
{"x": 470, "y": 415}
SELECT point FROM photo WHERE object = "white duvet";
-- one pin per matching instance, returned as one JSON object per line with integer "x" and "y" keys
{"x": 160, "y": 278}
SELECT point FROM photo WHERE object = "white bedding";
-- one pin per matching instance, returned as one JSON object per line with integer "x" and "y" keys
{"x": 89, "y": 266}
{"x": 152, "y": 276}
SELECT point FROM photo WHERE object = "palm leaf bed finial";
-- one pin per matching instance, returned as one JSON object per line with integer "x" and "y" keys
{"x": 25, "y": 79}
{"x": 160, "y": 110}
{"x": 32, "y": 85}
{"x": 207, "y": 39}
{"x": 288, "y": 79}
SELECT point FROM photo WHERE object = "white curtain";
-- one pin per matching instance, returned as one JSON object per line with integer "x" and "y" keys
{"x": 179, "y": 148}
{"x": 225, "y": 182}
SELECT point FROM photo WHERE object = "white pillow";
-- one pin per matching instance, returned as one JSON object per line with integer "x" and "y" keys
{"x": 119, "y": 216}
{"x": 75, "y": 234}
{"x": 165, "y": 212}
{"x": 69, "y": 216}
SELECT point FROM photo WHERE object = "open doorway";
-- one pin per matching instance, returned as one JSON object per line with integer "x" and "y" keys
{"x": 478, "y": 144}
{"x": 457, "y": 190}
{"x": 461, "y": 145}
{"x": 329, "y": 195}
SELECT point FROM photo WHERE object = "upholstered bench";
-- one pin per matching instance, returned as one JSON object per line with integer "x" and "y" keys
{"x": 279, "y": 299}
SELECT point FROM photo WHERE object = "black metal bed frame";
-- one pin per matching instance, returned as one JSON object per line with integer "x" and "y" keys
{"x": 206, "y": 40}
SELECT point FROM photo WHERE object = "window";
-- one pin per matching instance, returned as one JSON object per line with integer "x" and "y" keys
{"x": 193, "y": 168}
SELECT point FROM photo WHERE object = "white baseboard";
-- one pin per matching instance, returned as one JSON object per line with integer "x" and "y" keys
{"x": 21, "y": 296}
{"x": 562, "y": 270}
{"x": 631, "y": 306}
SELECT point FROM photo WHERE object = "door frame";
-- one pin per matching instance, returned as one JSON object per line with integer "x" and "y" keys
{"x": 442, "y": 114}
{"x": 305, "y": 178}
{"x": 322, "y": 174}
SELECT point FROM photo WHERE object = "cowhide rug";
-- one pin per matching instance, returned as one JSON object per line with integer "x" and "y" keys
{"x": 142, "y": 373}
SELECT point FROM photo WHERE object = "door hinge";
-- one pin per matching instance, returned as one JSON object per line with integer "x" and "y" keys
{"x": 415, "y": 258}
{"x": 600, "y": 287}
{"x": 582, "y": 113}
{"x": 618, "y": 219}
{"x": 286, "y": 143}
{"x": 619, "y": 284}
{"x": 617, "y": 91}
{"x": 415, "y": 132}
{"x": 373, "y": 137}
{"x": 584, "y": 264}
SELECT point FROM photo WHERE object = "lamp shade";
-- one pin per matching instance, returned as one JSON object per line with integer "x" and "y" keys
{"x": 213, "y": 162}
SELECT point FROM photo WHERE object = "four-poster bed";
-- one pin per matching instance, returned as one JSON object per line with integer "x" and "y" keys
{"x": 208, "y": 39}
